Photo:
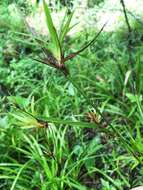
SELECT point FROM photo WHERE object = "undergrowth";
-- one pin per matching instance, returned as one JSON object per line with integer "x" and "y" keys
{"x": 51, "y": 133}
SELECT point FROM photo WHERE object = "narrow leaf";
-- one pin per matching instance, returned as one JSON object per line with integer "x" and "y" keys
{"x": 52, "y": 30}
{"x": 72, "y": 55}
{"x": 73, "y": 123}
{"x": 65, "y": 28}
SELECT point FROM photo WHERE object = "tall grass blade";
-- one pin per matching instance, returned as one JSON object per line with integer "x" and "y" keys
{"x": 52, "y": 31}
{"x": 65, "y": 28}
{"x": 17, "y": 177}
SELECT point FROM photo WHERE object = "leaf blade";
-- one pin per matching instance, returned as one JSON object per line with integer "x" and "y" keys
{"x": 52, "y": 30}
{"x": 65, "y": 28}
{"x": 72, "y": 55}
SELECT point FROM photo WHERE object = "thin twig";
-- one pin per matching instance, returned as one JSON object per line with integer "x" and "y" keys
{"x": 129, "y": 46}
{"x": 126, "y": 17}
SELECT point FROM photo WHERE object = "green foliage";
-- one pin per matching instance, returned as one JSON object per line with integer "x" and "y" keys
{"x": 48, "y": 136}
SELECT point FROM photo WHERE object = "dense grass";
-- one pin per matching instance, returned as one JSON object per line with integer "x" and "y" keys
{"x": 49, "y": 133}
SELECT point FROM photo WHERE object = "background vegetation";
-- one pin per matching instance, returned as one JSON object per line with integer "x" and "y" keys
{"x": 79, "y": 132}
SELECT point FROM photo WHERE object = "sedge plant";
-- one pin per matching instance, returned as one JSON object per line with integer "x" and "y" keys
{"x": 55, "y": 57}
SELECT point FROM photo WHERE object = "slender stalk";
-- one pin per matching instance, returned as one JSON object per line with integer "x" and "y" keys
{"x": 129, "y": 46}
{"x": 126, "y": 17}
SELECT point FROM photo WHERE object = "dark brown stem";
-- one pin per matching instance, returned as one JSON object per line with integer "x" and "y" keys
{"x": 129, "y": 46}
{"x": 126, "y": 17}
